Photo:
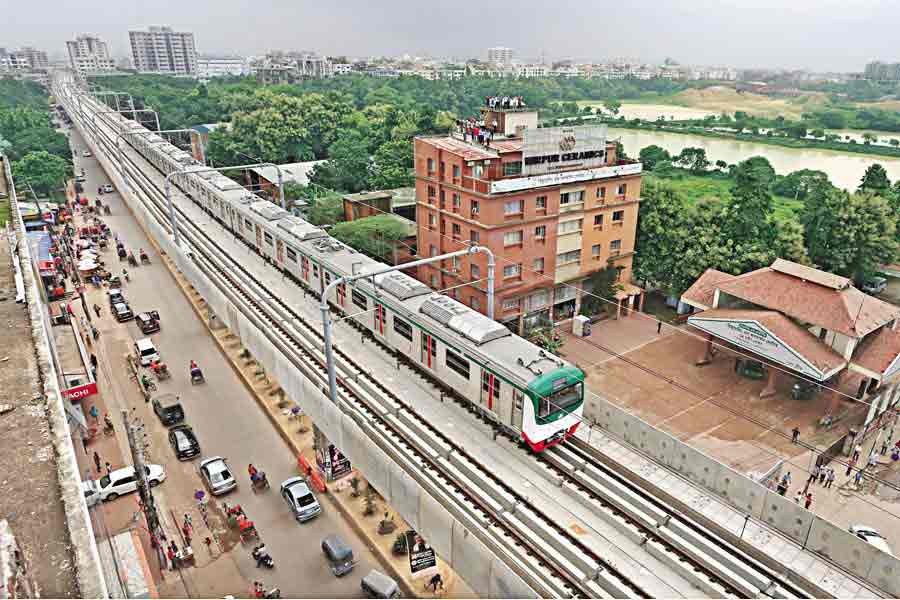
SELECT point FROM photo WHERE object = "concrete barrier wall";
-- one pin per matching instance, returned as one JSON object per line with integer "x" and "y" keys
{"x": 453, "y": 540}
{"x": 782, "y": 514}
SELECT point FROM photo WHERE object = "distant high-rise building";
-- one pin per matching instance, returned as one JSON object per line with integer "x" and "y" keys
{"x": 23, "y": 59}
{"x": 218, "y": 65}
{"x": 89, "y": 54}
{"x": 879, "y": 71}
{"x": 162, "y": 50}
{"x": 500, "y": 55}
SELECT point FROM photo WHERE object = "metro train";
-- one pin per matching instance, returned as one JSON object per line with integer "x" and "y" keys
{"x": 530, "y": 393}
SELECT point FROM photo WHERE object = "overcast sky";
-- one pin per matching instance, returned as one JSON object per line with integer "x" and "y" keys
{"x": 818, "y": 34}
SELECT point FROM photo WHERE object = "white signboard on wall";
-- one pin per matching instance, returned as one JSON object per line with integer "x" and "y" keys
{"x": 750, "y": 335}
{"x": 500, "y": 186}
{"x": 555, "y": 148}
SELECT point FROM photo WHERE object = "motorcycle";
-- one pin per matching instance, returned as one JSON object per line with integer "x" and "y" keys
{"x": 197, "y": 376}
{"x": 262, "y": 557}
{"x": 259, "y": 482}
{"x": 145, "y": 260}
{"x": 131, "y": 260}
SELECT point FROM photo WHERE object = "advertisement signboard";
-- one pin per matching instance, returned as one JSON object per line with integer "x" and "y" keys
{"x": 80, "y": 392}
{"x": 500, "y": 186}
{"x": 332, "y": 462}
{"x": 422, "y": 559}
{"x": 752, "y": 336}
{"x": 554, "y": 148}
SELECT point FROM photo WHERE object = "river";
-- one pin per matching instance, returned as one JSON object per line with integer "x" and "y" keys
{"x": 844, "y": 169}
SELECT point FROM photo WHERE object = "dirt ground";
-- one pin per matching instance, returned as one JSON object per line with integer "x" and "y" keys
{"x": 711, "y": 407}
{"x": 31, "y": 496}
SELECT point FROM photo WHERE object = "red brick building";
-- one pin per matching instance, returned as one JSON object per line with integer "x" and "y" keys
{"x": 554, "y": 205}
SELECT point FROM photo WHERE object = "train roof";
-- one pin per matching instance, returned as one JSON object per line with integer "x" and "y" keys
{"x": 300, "y": 230}
{"x": 267, "y": 210}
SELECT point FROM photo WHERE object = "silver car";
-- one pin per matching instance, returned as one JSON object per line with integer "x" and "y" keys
{"x": 300, "y": 499}
{"x": 871, "y": 536}
{"x": 217, "y": 476}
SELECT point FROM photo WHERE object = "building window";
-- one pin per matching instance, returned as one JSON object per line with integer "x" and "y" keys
{"x": 431, "y": 166}
{"x": 570, "y": 198}
{"x": 512, "y": 168}
{"x": 540, "y": 203}
{"x": 601, "y": 192}
{"x": 540, "y": 232}
{"x": 569, "y": 227}
{"x": 474, "y": 207}
{"x": 434, "y": 282}
{"x": 598, "y": 220}
{"x": 456, "y": 229}
{"x": 615, "y": 245}
{"x": 620, "y": 189}
{"x": 455, "y": 171}
{"x": 512, "y": 238}
{"x": 512, "y": 207}
{"x": 511, "y": 304}
{"x": 618, "y": 216}
{"x": 538, "y": 265}
{"x": 443, "y": 197}
{"x": 510, "y": 271}
{"x": 619, "y": 270}
{"x": 432, "y": 220}
{"x": 595, "y": 251}
{"x": 474, "y": 236}
{"x": 478, "y": 171}
{"x": 432, "y": 250}
{"x": 456, "y": 201}
{"x": 474, "y": 271}
{"x": 457, "y": 364}
{"x": 431, "y": 193}
{"x": 359, "y": 300}
{"x": 569, "y": 258}
{"x": 475, "y": 303}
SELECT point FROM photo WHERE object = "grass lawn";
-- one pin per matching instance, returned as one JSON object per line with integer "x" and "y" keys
{"x": 694, "y": 188}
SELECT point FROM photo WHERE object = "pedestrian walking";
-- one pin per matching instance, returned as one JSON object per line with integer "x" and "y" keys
{"x": 795, "y": 435}
{"x": 813, "y": 475}
{"x": 97, "y": 310}
{"x": 829, "y": 479}
{"x": 856, "y": 452}
{"x": 95, "y": 414}
{"x": 823, "y": 472}
{"x": 809, "y": 499}
{"x": 884, "y": 446}
{"x": 873, "y": 459}
{"x": 97, "y": 461}
{"x": 170, "y": 554}
{"x": 108, "y": 468}
{"x": 858, "y": 479}
{"x": 797, "y": 496}
{"x": 787, "y": 479}
{"x": 435, "y": 582}
{"x": 188, "y": 522}
{"x": 658, "y": 327}
{"x": 187, "y": 534}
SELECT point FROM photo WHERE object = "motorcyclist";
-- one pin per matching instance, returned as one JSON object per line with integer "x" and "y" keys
{"x": 146, "y": 381}
{"x": 125, "y": 275}
{"x": 107, "y": 423}
{"x": 253, "y": 472}
{"x": 195, "y": 370}
{"x": 261, "y": 555}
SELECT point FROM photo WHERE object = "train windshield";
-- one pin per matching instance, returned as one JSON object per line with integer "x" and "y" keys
{"x": 565, "y": 399}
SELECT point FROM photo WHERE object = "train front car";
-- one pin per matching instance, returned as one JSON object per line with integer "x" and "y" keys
{"x": 554, "y": 411}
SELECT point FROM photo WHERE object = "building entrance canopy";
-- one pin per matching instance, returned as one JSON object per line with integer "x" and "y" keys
{"x": 773, "y": 337}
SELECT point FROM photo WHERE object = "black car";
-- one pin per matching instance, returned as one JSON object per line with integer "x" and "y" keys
{"x": 122, "y": 312}
{"x": 148, "y": 322}
{"x": 115, "y": 297}
{"x": 168, "y": 409}
{"x": 184, "y": 442}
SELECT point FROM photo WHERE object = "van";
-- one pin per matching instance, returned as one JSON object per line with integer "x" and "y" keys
{"x": 339, "y": 555}
{"x": 378, "y": 585}
{"x": 146, "y": 352}
{"x": 875, "y": 285}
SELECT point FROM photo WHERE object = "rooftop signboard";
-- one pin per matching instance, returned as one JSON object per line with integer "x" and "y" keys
{"x": 517, "y": 184}
{"x": 552, "y": 149}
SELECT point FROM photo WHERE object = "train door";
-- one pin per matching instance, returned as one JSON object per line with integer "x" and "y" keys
{"x": 517, "y": 408}
{"x": 259, "y": 237}
{"x": 279, "y": 251}
{"x": 429, "y": 350}
{"x": 324, "y": 281}
{"x": 490, "y": 390}
{"x": 380, "y": 315}
{"x": 304, "y": 268}
{"x": 342, "y": 294}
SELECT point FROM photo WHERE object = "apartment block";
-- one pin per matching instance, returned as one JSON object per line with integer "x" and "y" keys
{"x": 221, "y": 65}
{"x": 23, "y": 59}
{"x": 555, "y": 205}
{"x": 89, "y": 54}
{"x": 162, "y": 50}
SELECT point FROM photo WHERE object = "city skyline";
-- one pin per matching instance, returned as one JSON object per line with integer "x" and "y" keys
{"x": 728, "y": 32}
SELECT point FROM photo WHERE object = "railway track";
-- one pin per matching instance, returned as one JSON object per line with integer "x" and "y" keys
{"x": 514, "y": 528}
{"x": 716, "y": 567}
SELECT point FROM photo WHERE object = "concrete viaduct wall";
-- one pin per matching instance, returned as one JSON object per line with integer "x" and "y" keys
{"x": 487, "y": 575}
{"x": 745, "y": 494}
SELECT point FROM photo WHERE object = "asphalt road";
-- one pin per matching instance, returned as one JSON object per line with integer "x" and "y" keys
{"x": 223, "y": 414}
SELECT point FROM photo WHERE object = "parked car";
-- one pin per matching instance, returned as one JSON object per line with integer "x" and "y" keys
{"x": 148, "y": 322}
{"x": 871, "y": 536}
{"x": 80, "y": 178}
{"x": 875, "y": 285}
{"x": 124, "y": 481}
{"x": 378, "y": 585}
{"x": 184, "y": 442}
{"x": 217, "y": 476}
{"x": 108, "y": 189}
{"x": 86, "y": 153}
{"x": 115, "y": 296}
{"x": 122, "y": 312}
{"x": 91, "y": 492}
{"x": 145, "y": 351}
{"x": 339, "y": 555}
{"x": 168, "y": 409}
{"x": 300, "y": 499}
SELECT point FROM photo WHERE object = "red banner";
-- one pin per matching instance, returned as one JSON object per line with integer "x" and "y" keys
{"x": 80, "y": 392}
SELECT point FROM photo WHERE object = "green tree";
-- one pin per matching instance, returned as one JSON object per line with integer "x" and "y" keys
{"x": 347, "y": 168}
{"x": 650, "y": 156}
{"x": 875, "y": 180}
{"x": 44, "y": 171}
{"x": 602, "y": 285}
{"x": 798, "y": 183}
{"x": 375, "y": 236}
{"x": 612, "y": 106}
{"x": 393, "y": 165}
{"x": 693, "y": 159}
{"x": 326, "y": 210}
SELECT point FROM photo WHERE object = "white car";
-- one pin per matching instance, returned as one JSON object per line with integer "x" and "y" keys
{"x": 300, "y": 499}
{"x": 146, "y": 351}
{"x": 86, "y": 153}
{"x": 869, "y": 535}
{"x": 91, "y": 493}
{"x": 124, "y": 481}
{"x": 108, "y": 189}
{"x": 217, "y": 476}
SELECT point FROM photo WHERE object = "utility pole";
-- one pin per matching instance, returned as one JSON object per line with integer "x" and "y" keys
{"x": 134, "y": 429}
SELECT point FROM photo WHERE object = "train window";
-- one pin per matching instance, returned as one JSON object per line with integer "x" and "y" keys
{"x": 518, "y": 399}
{"x": 403, "y": 328}
{"x": 315, "y": 270}
{"x": 429, "y": 350}
{"x": 490, "y": 384}
{"x": 248, "y": 223}
{"x": 268, "y": 237}
{"x": 457, "y": 363}
{"x": 359, "y": 300}
{"x": 292, "y": 254}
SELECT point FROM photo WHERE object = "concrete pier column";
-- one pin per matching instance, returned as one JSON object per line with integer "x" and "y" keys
{"x": 771, "y": 379}
{"x": 706, "y": 357}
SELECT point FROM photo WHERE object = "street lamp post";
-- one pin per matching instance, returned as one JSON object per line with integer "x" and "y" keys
{"x": 326, "y": 310}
